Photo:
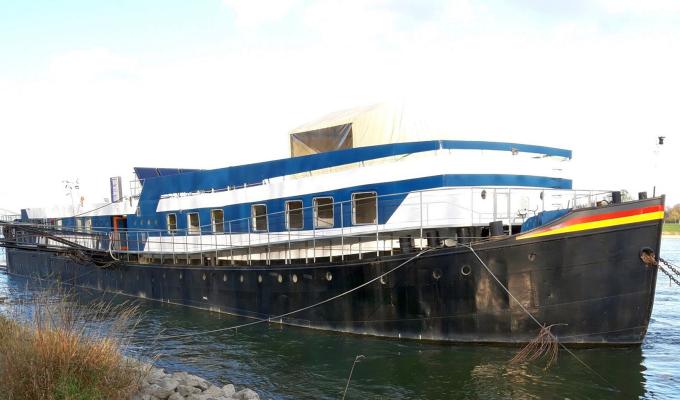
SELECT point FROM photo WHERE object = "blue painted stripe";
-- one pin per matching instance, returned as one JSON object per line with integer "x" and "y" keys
{"x": 392, "y": 194}
{"x": 256, "y": 173}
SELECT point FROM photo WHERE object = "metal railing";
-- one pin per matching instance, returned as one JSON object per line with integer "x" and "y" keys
{"x": 416, "y": 219}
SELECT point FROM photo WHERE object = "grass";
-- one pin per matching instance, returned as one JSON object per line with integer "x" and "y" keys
{"x": 67, "y": 351}
{"x": 671, "y": 229}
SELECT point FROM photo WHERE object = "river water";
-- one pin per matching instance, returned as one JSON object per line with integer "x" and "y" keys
{"x": 293, "y": 363}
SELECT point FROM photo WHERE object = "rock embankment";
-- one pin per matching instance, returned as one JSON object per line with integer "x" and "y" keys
{"x": 158, "y": 385}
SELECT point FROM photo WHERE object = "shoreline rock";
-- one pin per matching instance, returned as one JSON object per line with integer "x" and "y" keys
{"x": 156, "y": 384}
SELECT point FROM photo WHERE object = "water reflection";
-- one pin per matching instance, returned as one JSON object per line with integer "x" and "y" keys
{"x": 294, "y": 363}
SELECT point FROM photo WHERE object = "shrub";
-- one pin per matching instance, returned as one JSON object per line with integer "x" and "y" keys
{"x": 56, "y": 349}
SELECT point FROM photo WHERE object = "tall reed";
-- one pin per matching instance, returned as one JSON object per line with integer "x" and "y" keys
{"x": 55, "y": 348}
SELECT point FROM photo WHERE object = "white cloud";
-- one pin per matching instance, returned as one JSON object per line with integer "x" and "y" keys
{"x": 253, "y": 13}
{"x": 646, "y": 7}
{"x": 95, "y": 113}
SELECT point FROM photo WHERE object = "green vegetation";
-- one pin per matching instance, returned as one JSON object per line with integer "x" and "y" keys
{"x": 671, "y": 229}
{"x": 67, "y": 351}
{"x": 673, "y": 214}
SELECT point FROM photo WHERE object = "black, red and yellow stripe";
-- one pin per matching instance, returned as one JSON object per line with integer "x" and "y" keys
{"x": 599, "y": 220}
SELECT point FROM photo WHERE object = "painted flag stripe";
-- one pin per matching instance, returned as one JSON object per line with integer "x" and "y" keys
{"x": 600, "y": 221}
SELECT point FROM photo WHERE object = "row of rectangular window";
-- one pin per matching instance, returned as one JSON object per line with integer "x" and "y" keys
{"x": 364, "y": 211}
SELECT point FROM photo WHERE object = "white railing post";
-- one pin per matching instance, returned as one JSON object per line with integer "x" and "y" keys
{"x": 288, "y": 256}
{"x": 510, "y": 216}
{"x": 421, "y": 219}
{"x": 268, "y": 246}
{"x": 377, "y": 230}
{"x": 342, "y": 233}
{"x": 200, "y": 242}
{"x": 249, "y": 222}
{"x": 231, "y": 245}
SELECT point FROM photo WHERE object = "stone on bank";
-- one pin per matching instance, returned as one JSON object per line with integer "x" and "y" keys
{"x": 158, "y": 385}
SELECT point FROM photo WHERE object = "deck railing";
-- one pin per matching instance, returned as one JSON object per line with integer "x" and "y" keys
{"x": 417, "y": 219}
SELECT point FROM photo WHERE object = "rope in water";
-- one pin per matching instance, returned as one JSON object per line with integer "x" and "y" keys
{"x": 541, "y": 326}
{"x": 278, "y": 317}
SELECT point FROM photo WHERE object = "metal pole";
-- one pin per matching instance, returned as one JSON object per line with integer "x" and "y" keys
{"x": 174, "y": 260}
{"x": 288, "y": 261}
{"x": 314, "y": 243}
{"x": 200, "y": 242}
{"x": 231, "y": 245}
{"x": 342, "y": 233}
{"x": 249, "y": 222}
{"x": 421, "y": 220}
{"x": 377, "y": 230}
{"x": 510, "y": 216}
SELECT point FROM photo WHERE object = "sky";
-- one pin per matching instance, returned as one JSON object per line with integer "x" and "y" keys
{"x": 88, "y": 90}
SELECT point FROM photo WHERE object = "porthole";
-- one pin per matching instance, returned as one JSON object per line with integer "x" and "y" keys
{"x": 294, "y": 278}
{"x": 241, "y": 278}
{"x": 532, "y": 256}
{"x": 279, "y": 278}
{"x": 437, "y": 273}
{"x": 329, "y": 276}
{"x": 465, "y": 270}
{"x": 203, "y": 276}
{"x": 259, "y": 279}
{"x": 224, "y": 277}
{"x": 383, "y": 280}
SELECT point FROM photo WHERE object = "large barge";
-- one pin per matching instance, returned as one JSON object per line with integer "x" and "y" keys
{"x": 460, "y": 241}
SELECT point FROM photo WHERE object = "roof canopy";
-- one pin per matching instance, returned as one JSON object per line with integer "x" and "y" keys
{"x": 357, "y": 127}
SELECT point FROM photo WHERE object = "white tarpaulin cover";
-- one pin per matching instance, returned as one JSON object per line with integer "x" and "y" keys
{"x": 358, "y": 127}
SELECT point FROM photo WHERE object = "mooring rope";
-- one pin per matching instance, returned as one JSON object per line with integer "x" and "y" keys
{"x": 542, "y": 327}
{"x": 273, "y": 319}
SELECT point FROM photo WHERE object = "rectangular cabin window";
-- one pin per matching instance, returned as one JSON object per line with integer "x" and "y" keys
{"x": 172, "y": 223}
{"x": 323, "y": 212}
{"x": 294, "y": 217}
{"x": 193, "y": 224}
{"x": 364, "y": 208}
{"x": 79, "y": 224}
{"x": 258, "y": 214}
{"x": 217, "y": 220}
{"x": 87, "y": 224}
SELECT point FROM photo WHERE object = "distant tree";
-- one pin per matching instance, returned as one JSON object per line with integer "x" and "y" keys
{"x": 673, "y": 214}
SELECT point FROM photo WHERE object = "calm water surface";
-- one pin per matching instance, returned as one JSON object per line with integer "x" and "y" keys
{"x": 291, "y": 363}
